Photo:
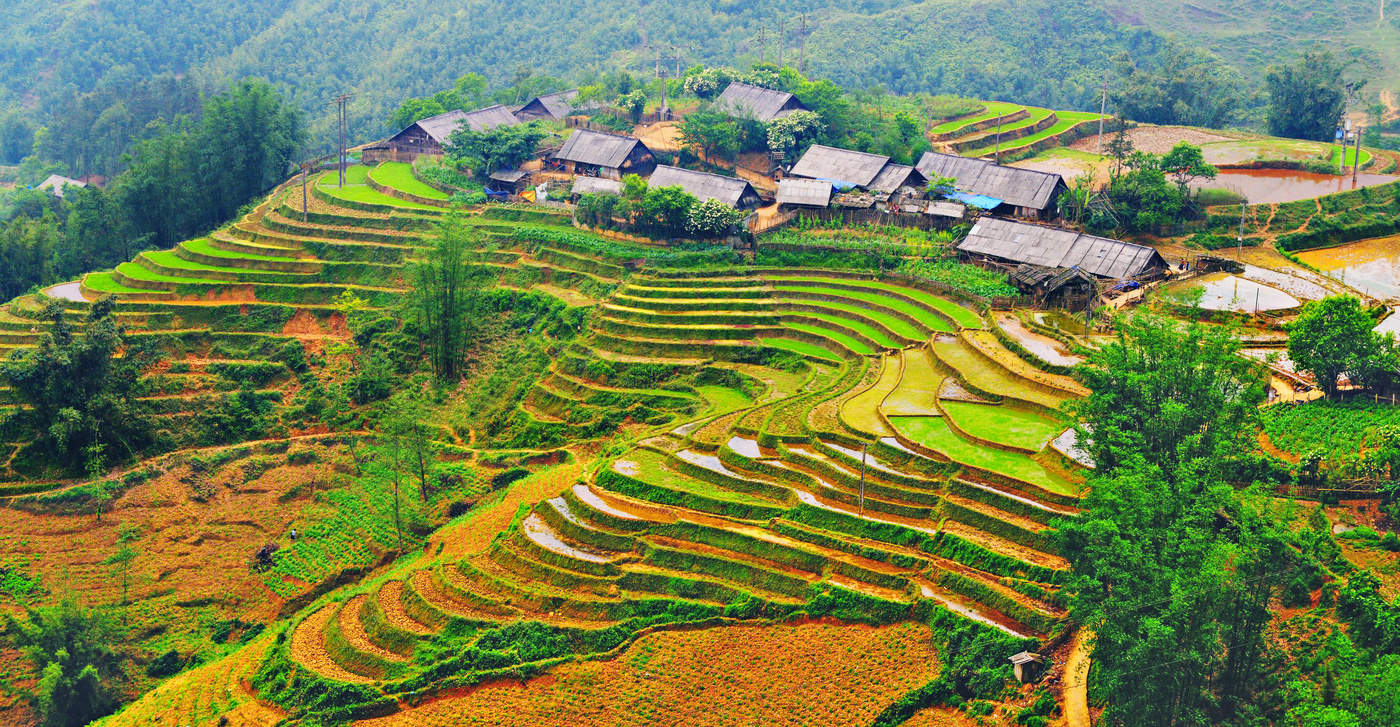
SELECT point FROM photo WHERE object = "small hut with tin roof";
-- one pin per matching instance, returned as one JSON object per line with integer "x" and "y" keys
{"x": 745, "y": 101}
{"x": 703, "y": 186}
{"x": 430, "y": 135}
{"x": 595, "y": 154}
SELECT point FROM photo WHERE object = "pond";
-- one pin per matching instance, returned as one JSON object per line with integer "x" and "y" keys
{"x": 1261, "y": 186}
{"x": 1223, "y": 291}
{"x": 1370, "y": 266}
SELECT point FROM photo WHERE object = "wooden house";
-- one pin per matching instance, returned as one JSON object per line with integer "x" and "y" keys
{"x": 846, "y": 168}
{"x": 703, "y": 186}
{"x": 552, "y": 106}
{"x": 595, "y": 154}
{"x": 1019, "y": 192}
{"x": 1027, "y": 666}
{"x": 1008, "y": 242}
{"x": 429, "y": 136}
{"x": 508, "y": 182}
{"x": 744, "y": 101}
{"x": 594, "y": 185}
{"x": 803, "y": 194}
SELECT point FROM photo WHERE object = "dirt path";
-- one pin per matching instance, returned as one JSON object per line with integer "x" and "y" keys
{"x": 1076, "y": 680}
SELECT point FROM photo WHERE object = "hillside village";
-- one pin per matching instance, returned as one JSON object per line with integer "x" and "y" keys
{"x": 704, "y": 409}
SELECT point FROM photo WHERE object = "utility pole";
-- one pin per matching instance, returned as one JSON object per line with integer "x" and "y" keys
{"x": 996, "y": 152}
{"x": 802, "y": 53}
{"x": 762, "y": 43}
{"x": 340, "y": 102}
{"x": 1103, "y": 110}
{"x": 1239, "y": 239}
{"x": 1355, "y": 159}
{"x": 780, "y": 41}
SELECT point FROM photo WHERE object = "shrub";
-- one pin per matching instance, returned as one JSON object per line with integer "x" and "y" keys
{"x": 165, "y": 665}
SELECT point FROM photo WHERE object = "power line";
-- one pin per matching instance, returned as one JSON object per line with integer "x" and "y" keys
{"x": 340, "y": 102}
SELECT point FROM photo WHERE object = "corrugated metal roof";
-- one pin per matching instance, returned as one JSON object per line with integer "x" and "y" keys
{"x": 596, "y": 185}
{"x": 592, "y": 147}
{"x": 509, "y": 176}
{"x": 701, "y": 185}
{"x": 763, "y": 104}
{"x": 440, "y": 127}
{"x": 1016, "y": 186}
{"x": 839, "y": 165}
{"x": 808, "y": 192}
{"x": 1055, "y": 248}
{"x": 894, "y": 176}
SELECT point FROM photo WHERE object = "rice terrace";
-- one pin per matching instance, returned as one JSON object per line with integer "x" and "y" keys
{"x": 676, "y": 385}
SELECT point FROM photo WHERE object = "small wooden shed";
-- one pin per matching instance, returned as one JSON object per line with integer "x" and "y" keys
{"x": 595, "y": 154}
{"x": 1027, "y": 666}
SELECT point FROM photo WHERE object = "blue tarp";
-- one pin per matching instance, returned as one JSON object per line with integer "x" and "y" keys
{"x": 840, "y": 185}
{"x": 980, "y": 201}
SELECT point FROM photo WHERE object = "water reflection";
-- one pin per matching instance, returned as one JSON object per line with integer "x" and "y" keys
{"x": 1261, "y": 186}
{"x": 1370, "y": 266}
{"x": 1222, "y": 291}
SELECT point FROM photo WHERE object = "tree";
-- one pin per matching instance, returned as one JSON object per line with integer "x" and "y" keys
{"x": 500, "y": 147}
{"x": 1177, "y": 85}
{"x": 664, "y": 211}
{"x": 712, "y": 218}
{"x": 82, "y": 396}
{"x": 1119, "y": 148}
{"x": 634, "y": 103}
{"x": 403, "y": 420}
{"x": 715, "y": 133}
{"x": 1185, "y": 163}
{"x": 789, "y": 136}
{"x": 1307, "y": 99}
{"x": 1332, "y": 337}
{"x": 1168, "y": 393}
{"x": 446, "y": 296}
{"x": 244, "y": 145}
{"x": 71, "y": 649}
{"x": 1172, "y": 569}
{"x": 121, "y": 558}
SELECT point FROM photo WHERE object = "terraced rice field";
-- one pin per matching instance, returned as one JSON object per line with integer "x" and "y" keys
{"x": 776, "y": 437}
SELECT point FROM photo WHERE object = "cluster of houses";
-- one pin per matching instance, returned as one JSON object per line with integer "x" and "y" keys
{"x": 1048, "y": 262}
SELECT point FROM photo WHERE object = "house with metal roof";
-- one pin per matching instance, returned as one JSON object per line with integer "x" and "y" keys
{"x": 745, "y": 101}
{"x": 732, "y": 191}
{"x": 846, "y": 169}
{"x": 54, "y": 184}
{"x": 812, "y": 193}
{"x": 595, "y": 154}
{"x": 430, "y": 135}
{"x": 552, "y": 106}
{"x": 1021, "y": 192}
{"x": 1009, "y": 242}
{"x": 595, "y": 185}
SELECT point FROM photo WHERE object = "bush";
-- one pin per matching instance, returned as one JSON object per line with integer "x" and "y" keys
{"x": 165, "y": 665}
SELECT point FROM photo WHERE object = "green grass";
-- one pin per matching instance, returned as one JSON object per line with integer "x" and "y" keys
{"x": 1351, "y": 156}
{"x": 924, "y": 316}
{"x": 988, "y": 377}
{"x": 1037, "y": 115}
{"x": 399, "y": 175}
{"x": 1066, "y": 121}
{"x": 960, "y": 315}
{"x": 1332, "y": 428}
{"x": 933, "y": 432}
{"x": 1003, "y": 424}
{"x": 801, "y": 348}
{"x": 723, "y": 398}
{"x": 865, "y": 329}
{"x": 105, "y": 283}
{"x": 993, "y": 110}
{"x": 136, "y": 272}
{"x": 841, "y": 339}
{"x": 202, "y": 246}
{"x": 367, "y": 194}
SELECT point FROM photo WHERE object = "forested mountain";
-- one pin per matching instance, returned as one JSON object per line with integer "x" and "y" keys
{"x": 1049, "y": 52}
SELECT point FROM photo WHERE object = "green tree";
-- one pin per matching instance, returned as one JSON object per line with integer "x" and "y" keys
{"x": 789, "y": 136}
{"x": 1332, "y": 337}
{"x": 1168, "y": 393}
{"x": 245, "y": 144}
{"x": 712, "y": 218}
{"x": 1307, "y": 98}
{"x": 1172, "y": 569}
{"x": 497, "y": 148}
{"x": 634, "y": 103}
{"x": 71, "y": 650}
{"x": 446, "y": 296}
{"x": 714, "y": 133}
{"x": 1185, "y": 163}
{"x": 120, "y": 560}
{"x": 83, "y": 391}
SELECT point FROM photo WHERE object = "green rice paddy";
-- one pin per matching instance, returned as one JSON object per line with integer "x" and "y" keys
{"x": 933, "y": 432}
{"x": 976, "y": 371}
{"x": 924, "y": 316}
{"x": 802, "y": 348}
{"x": 366, "y": 194}
{"x": 993, "y": 110}
{"x": 1066, "y": 120}
{"x": 105, "y": 283}
{"x": 842, "y": 339}
{"x": 1003, "y": 424}
{"x": 399, "y": 175}
{"x": 202, "y": 246}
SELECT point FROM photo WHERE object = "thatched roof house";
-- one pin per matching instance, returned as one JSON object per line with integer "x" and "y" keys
{"x": 755, "y": 102}
{"x": 736, "y": 193}
{"x": 804, "y": 193}
{"x": 1025, "y": 192}
{"x": 552, "y": 106}
{"x": 595, "y": 154}
{"x": 1008, "y": 241}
